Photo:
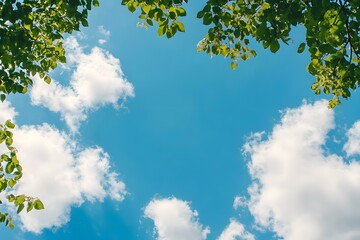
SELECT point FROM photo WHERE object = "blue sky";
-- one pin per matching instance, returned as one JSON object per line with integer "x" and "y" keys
{"x": 163, "y": 144}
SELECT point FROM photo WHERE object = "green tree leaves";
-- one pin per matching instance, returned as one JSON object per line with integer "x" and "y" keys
{"x": 332, "y": 34}
{"x": 31, "y": 39}
{"x": 164, "y": 12}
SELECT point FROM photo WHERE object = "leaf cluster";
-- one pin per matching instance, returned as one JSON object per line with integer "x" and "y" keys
{"x": 31, "y": 38}
{"x": 332, "y": 34}
{"x": 164, "y": 12}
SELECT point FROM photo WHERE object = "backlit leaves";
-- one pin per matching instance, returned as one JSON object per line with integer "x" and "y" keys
{"x": 332, "y": 34}
{"x": 164, "y": 12}
{"x": 32, "y": 38}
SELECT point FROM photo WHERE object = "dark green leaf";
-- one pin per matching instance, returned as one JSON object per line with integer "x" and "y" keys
{"x": 301, "y": 48}
{"x": 274, "y": 46}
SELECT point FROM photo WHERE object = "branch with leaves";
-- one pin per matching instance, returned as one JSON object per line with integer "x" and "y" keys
{"x": 332, "y": 33}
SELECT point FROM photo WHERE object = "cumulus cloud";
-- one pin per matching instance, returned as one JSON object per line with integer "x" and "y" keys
{"x": 174, "y": 220}
{"x": 299, "y": 191}
{"x": 352, "y": 146}
{"x": 235, "y": 231}
{"x": 61, "y": 174}
{"x": 96, "y": 80}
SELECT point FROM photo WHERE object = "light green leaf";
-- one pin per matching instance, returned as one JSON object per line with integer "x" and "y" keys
{"x": 162, "y": 30}
{"x": 233, "y": 65}
{"x": 9, "y": 124}
{"x": 20, "y": 208}
{"x": 47, "y": 79}
{"x": 38, "y": 204}
{"x": 180, "y": 26}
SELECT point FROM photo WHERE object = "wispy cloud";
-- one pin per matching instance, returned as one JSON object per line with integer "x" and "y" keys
{"x": 174, "y": 220}
{"x": 299, "y": 191}
{"x": 60, "y": 173}
{"x": 105, "y": 34}
{"x": 96, "y": 80}
{"x": 239, "y": 201}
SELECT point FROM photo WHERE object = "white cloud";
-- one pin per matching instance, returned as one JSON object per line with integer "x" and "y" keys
{"x": 174, "y": 220}
{"x": 239, "y": 201}
{"x": 97, "y": 80}
{"x": 352, "y": 146}
{"x": 6, "y": 112}
{"x": 105, "y": 34}
{"x": 298, "y": 190}
{"x": 235, "y": 230}
{"x": 62, "y": 175}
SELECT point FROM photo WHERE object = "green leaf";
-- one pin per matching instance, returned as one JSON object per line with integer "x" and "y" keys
{"x": 11, "y": 183}
{"x": 181, "y": 12}
{"x": 9, "y": 124}
{"x": 233, "y": 65}
{"x": 149, "y": 21}
{"x": 29, "y": 206}
{"x": 8, "y": 142}
{"x": 96, "y": 3}
{"x": 301, "y": 48}
{"x": 200, "y": 14}
{"x": 265, "y": 6}
{"x": 20, "y": 208}
{"x": 253, "y": 53}
{"x": 84, "y": 22}
{"x": 161, "y": 30}
{"x": 10, "y": 198}
{"x": 38, "y": 204}
{"x": 274, "y": 46}
{"x": 19, "y": 200}
{"x": 244, "y": 57}
{"x": 207, "y": 20}
{"x": 11, "y": 225}
{"x": 146, "y": 8}
{"x": 47, "y": 79}
{"x": 9, "y": 168}
{"x": 180, "y": 26}
{"x": 131, "y": 7}
{"x": 62, "y": 59}
{"x": 27, "y": 27}
{"x": 24, "y": 90}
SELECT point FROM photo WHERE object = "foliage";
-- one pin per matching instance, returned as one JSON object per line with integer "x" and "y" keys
{"x": 10, "y": 174}
{"x": 332, "y": 33}
{"x": 31, "y": 43}
{"x": 31, "y": 33}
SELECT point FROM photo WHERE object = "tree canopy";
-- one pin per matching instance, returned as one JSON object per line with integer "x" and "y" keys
{"x": 32, "y": 31}
{"x": 332, "y": 33}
